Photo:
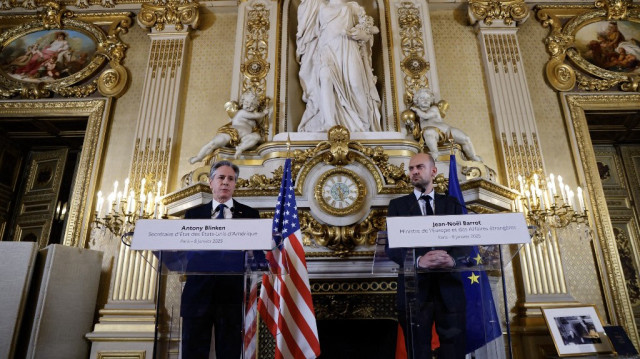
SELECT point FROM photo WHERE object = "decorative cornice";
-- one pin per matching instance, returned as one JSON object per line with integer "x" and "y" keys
{"x": 178, "y": 13}
{"x": 506, "y": 11}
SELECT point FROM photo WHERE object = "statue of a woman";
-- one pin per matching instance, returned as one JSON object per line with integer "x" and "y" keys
{"x": 334, "y": 41}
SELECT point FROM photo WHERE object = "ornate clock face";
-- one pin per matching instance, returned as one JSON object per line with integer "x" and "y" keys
{"x": 340, "y": 191}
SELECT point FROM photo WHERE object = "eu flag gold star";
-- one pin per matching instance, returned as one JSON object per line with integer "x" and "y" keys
{"x": 478, "y": 259}
{"x": 474, "y": 278}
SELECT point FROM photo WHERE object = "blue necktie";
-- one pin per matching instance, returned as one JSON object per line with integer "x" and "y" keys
{"x": 220, "y": 210}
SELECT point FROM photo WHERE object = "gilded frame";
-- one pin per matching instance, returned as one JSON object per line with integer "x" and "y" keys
{"x": 617, "y": 299}
{"x": 109, "y": 80}
{"x": 567, "y": 67}
{"x": 97, "y": 113}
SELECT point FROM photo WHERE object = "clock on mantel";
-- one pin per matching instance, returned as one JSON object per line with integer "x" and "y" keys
{"x": 340, "y": 192}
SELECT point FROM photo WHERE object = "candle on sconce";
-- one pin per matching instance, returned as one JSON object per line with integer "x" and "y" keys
{"x": 150, "y": 202}
{"x": 143, "y": 198}
{"x": 572, "y": 200}
{"x": 553, "y": 186}
{"x": 541, "y": 200}
{"x": 526, "y": 194}
{"x": 582, "y": 200}
{"x": 536, "y": 181}
{"x": 521, "y": 184}
{"x": 115, "y": 187}
{"x": 547, "y": 203}
{"x": 142, "y": 183}
{"x": 110, "y": 199}
{"x": 99, "y": 205}
{"x": 549, "y": 196}
{"x": 159, "y": 188}
{"x": 157, "y": 208}
{"x": 118, "y": 200}
{"x": 131, "y": 203}
{"x": 562, "y": 192}
{"x": 126, "y": 186}
{"x": 534, "y": 195}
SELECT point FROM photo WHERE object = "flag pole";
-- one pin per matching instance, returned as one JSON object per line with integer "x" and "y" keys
{"x": 506, "y": 306}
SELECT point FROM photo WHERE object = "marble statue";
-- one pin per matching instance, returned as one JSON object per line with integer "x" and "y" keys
{"x": 334, "y": 40}
{"x": 434, "y": 129}
{"x": 242, "y": 133}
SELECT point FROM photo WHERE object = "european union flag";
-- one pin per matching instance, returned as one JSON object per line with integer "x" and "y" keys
{"x": 483, "y": 324}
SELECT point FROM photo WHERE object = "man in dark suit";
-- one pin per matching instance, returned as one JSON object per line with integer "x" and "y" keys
{"x": 440, "y": 294}
{"x": 215, "y": 301}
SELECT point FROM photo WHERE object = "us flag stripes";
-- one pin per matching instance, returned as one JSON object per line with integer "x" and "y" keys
{"x": 285, "y": 297}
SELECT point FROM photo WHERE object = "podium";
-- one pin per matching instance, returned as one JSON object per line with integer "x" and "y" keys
{"x": 197, "y": 287}
{"x": 202, "y": 289}
{"x": 465, "y": 289}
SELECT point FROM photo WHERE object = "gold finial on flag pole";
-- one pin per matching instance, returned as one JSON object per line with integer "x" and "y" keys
{"x": 450, "y": 140}
{"x": 288, "y": 145}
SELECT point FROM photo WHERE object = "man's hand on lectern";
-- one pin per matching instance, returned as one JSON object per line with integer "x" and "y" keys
{"x": 436, "y": 259}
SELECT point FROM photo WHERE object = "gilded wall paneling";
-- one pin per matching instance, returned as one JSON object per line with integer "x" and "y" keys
{"x": 64, "y": 53}
{"x": 590, "y": 47}
{"x": 254, "y": 65}
{"x": 617, "y": 301}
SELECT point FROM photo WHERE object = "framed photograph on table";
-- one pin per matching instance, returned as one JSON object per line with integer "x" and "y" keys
{"x": 577, "y": 330}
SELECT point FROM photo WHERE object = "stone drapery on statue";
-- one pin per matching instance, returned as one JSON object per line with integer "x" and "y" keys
{"x": 334, "y": 41}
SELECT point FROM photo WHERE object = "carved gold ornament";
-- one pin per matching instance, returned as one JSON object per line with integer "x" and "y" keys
{"x": 340, "y": 192}
{"x": 178, "y": 13}
{"x": 342, "y": 240}
{"x": 413, "y": 63}
{"x": 256, "y": 47}
{"x": 588, "y": 47}
{"x": 507, "y": 11}
{"x": 42, "y": 55}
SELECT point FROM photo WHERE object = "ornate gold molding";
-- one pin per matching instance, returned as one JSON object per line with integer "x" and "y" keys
{"x": 507, "y": 11}
{"x": 150, "y": 163}
{"x": 111, "y": 82}
{"x": 502, "y": 49}
{"x": 256, "y": 48}
{"x": 413, "y": 63}
{"x": 617, "y": 298}
{"x": 342, "y": 240}
{"x": 568, "y": 67}
{"x": 177, "y": 13}
{"x": 96, "y": 112}
{"x": 521, "y": 157}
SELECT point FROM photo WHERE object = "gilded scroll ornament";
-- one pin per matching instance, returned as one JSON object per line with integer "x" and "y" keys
{"x": 413, "y": 64}
{"x": 593, "y": 47}
{"x": 178, "y": 13}
{"x": 507, "y": 11}
{"x": 342, "y": 240}
{"x": 255, "y": 67}
{"x": 616, "y": 9}
{"x": 60, "y": 52}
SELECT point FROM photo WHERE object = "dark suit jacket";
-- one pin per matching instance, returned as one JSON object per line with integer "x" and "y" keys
{"x": 203, "y": 292}
{"x": 449, "y": 283}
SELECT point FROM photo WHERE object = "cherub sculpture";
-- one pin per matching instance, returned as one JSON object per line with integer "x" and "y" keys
{"x": 242, "y": 133}
{"x": 432, "y": 127}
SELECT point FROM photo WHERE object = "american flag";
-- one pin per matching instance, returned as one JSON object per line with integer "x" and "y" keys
{"x": 285, "y": 297}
